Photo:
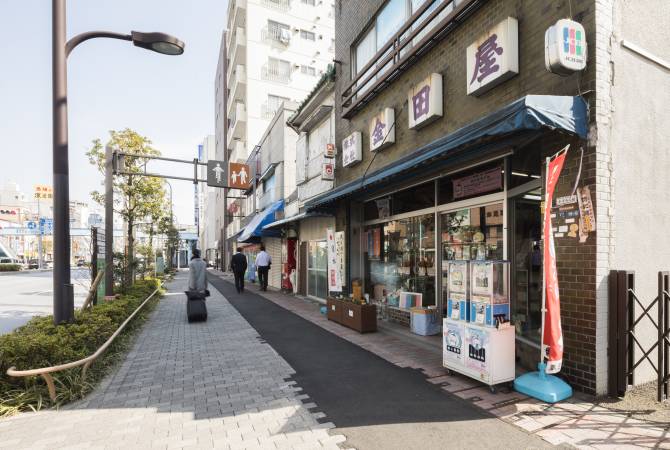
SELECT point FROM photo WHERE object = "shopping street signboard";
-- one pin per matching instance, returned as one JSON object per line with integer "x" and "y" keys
{"x": 239, "y": 176}
{"x": 382, "y": 131}
{"x": 352, "y": 149}
{"x": 425, "y": 101}
{"x": 493, "y": 58}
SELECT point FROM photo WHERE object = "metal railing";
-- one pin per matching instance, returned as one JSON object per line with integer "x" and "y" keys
{"x": 417, "y": 35}
{"x": 276, "y": 34}
{"x": 282, "y": 5}
{"x": 276, "y": 73}
{"x": 45, "y": 372}
{"x": 625, "y": 328}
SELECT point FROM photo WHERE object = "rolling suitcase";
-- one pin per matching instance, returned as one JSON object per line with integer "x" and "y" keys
{"x": 196, "y": 309}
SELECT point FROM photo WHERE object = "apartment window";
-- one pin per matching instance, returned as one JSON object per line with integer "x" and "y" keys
{"x": 387, "y": 22}
{"x": 277, "y": 32}
{"x": 277, "y": 70}
{"x": 273, "y": 103}
{"x": 308, "y": 70}
{"x": 307, "y": 35}
{"x": 282, "y": 5}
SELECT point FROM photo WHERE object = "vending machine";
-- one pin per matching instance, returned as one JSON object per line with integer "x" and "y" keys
{"x": 483, "y": 345}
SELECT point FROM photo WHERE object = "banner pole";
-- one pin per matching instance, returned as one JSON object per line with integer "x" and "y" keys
{"x": 544, "y": 272}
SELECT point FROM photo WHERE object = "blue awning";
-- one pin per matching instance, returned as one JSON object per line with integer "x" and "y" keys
{"x": 254, "y": 229}
{"x": 524, "y": 117}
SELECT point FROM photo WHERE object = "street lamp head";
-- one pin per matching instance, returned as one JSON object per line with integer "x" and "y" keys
{"x": 158, "y": 42}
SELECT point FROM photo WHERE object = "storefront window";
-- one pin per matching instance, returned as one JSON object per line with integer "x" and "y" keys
{"x": 401, "y": 257}
{"x": 317, "y": 268}
{"x": 408, "y": 200}
{"x": 471, "y": 234}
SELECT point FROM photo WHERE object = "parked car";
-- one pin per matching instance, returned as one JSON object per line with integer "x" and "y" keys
{"x": 33, "y": 264}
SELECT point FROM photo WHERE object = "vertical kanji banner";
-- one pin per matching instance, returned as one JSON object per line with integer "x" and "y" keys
{"x": 552, "y": 339}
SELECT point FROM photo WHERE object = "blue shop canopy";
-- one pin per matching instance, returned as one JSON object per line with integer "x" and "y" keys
{"x": 525, "y": 117}
{"x": 254, "y": 229}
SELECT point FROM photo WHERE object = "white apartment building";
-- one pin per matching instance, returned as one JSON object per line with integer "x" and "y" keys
{"x": 207, "y": 204}
{"x": 277, "y": 51}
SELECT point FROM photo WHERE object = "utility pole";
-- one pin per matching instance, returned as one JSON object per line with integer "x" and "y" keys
{"x": 40, "y": 248}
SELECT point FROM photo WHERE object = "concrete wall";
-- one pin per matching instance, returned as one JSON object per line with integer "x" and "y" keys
{"x": 639, "y": 142}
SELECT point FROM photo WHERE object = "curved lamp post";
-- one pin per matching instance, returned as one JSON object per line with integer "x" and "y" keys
{"x": 157, "y": 42}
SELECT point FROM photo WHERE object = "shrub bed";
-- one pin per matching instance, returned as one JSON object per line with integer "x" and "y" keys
{"x": 40, "y": 343}
{"x": 7, "y": 267}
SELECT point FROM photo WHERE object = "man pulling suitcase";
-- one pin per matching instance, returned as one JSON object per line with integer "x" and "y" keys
{"x": 196, "y": 309}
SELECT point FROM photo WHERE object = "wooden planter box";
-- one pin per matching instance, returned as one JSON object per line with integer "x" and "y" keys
{"x": 362, "y": 318}
{"x": 334, "y": 309}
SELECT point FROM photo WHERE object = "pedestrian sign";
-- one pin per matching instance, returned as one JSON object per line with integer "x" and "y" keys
{"x": 31, "y": 225}
{"x": 239, "y": 176}
{"x": 215, "y": 174}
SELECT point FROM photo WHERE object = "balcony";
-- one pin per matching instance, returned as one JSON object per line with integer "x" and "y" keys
{"x": 281, "y": 5}
{"x": 276, "y": 35}
{"x": 276, "y": 73}
{"x": 237, "y": 52}
{"x": 237, "y": 150}
{"x": 238, "y": 122}
{"x": 236, "y": 16}
{"x": 237, "y": 84}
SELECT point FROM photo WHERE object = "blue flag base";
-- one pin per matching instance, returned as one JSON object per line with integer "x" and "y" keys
{"x": 548, "y": 388}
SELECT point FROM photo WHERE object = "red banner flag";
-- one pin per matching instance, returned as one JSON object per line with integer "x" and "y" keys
{"x": 552, "y": 339}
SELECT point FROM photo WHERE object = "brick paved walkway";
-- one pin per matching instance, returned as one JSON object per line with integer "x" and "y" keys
{"x": 205, "y": 385}
{"x": 576, "y": 422}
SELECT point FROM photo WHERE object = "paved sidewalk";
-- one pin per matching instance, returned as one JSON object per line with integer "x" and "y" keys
{"x": 576, "y": 422}
{"x": 203, "y": 385}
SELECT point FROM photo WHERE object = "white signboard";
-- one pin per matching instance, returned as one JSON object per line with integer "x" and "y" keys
{"x": 330, "y": 151}
{"x": 334, "y": 283}
{"x": 352, "y": 147}
{"x": 382, "y": 131}
{"x": 565, "y": 47}
{"x": 425, "y": 101}
{"x": 339, "y": 247}
{"x": 328, "y": 171}
{"x": 493, "y": 58}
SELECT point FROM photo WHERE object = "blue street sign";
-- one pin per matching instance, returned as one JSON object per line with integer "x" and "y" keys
{"x": 31, "y": 225}
{"x": 46, "y": 226}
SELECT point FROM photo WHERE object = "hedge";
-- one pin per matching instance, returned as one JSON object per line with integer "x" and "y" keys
{"x": 9, "y": 267}
{"x": 40, "y": 343}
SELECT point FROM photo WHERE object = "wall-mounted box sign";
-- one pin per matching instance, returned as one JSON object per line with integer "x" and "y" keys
{"x": 565, "y": 47}
{"x": 329, "y": 152}
{"x": 352, "y": 147}
{"x": 328, "y": 171}
{"x": 493, "y": 58}
{"x": 382, "y": 131}
{"x": 425, "y": 101}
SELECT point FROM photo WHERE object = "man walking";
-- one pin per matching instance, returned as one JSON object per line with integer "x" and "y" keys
{"x": 239, "y": 265}
{"x": 263, "y": 262}
{"x": 197, "y": 274}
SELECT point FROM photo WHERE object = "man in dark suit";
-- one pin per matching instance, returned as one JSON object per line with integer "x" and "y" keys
{"x": 239, "y": 265}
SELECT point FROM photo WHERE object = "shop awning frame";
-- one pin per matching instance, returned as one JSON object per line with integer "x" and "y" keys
{"x": 525, "y": 116}
{"x": 296, "y": 218}
{"x": 254, "y": 229}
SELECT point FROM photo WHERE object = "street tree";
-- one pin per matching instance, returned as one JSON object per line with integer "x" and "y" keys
{"x": 136, "y": 197}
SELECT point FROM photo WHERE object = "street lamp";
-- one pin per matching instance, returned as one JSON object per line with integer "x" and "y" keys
{"x": 61, "y": 48}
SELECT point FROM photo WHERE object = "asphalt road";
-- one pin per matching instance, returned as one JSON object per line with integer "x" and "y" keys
{"x": 374, "y": 403}
{"x": 26, "y": 294}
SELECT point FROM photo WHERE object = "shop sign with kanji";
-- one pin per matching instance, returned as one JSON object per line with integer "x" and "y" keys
{"x": 382, "y": 131}
{"x": 352, "y": 149}
{"x": 493, "y": 58}
{"x": 328, "y": 171}
{"x": 43, "y": 191}
{"x": 425, "y": 101}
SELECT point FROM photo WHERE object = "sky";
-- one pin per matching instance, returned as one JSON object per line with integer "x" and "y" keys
{"x": 111, "y": 85}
